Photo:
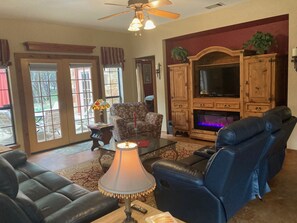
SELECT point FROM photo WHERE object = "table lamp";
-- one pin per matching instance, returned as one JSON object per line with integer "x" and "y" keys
{"x": 126, "y": 178}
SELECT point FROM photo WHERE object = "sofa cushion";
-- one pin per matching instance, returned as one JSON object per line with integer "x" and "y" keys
{"x": 31, "y": 170}
{"x": 51, "y": 203}
{"x": 15, "y": 158}
{"x": 73, "y": 191}
{"x": 8, "y": 180}
{"x": 141, "y": 127}
{"x": 84, "y": 209}
{"x": 29, "y": 207}
{"x": 52, "y": 180}
{"x": 33, "y": 189}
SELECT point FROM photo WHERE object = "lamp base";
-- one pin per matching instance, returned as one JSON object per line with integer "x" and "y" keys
{"x": 128, "y": 212}
{"x": 131, "y": 220}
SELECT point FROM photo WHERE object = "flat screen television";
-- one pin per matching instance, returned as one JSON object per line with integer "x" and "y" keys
{"x": 217, "y": 81}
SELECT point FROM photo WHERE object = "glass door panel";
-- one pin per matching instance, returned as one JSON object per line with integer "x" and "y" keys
{"x": 44, "y": 95}
{"x": 45, "y": 101}
{"x": 82, "y": 96}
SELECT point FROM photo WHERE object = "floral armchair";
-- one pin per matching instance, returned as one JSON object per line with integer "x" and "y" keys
{"x": 124, "y": 117}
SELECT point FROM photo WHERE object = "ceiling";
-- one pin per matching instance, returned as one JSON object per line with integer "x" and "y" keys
{"x": 85, "y": 13}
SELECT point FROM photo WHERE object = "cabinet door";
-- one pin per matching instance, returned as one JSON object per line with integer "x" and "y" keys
{"x": 258, "y": 75}
{"x": 179, "y": 82}
{"x": 180, "y": 120}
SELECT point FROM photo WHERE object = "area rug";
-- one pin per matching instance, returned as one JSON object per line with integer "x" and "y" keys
{"x": 88, "y": 173}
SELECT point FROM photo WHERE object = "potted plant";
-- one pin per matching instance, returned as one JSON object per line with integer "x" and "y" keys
{"x": 261, "y": 42}
{"x": 180, "y": 54}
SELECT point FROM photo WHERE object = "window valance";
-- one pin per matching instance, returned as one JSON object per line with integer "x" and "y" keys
{"x": 112, "y": 56}
{"x": 4, "y": 53}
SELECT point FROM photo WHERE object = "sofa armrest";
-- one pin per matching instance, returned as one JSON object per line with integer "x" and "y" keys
{"x": 15, "y": 157}
{"x": 205, "y": 152}
{"x": 85, "y": 209}
{"x": 119, "y": 130}
{"x": 177, "y": 174}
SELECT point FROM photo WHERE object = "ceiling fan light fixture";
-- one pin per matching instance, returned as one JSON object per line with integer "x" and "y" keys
{"x": 136, "y": 22}
{"x": 133, "y": 28}
{"x": 149, "y": 24}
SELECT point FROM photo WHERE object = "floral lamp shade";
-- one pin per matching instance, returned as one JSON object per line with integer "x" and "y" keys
{"x": 100, "y": 105}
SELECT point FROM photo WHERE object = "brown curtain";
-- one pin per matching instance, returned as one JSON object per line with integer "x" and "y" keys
{"x": 112, "y": 56}
{"x": 4, "y": 53}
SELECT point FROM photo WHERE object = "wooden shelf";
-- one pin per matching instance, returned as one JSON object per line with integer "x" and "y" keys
{"x": 55, "y": 47}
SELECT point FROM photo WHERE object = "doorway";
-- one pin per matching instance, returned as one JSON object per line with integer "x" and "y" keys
{"x": 58, "y": 94}
{"x": 146, "y": 82}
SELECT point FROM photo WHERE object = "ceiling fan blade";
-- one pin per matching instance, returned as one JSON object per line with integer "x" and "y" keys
{"x": 162, "y": 13}
{"x": 114, "y": 4}
{"x": 116, "y": 14}
{"x": 158, "y": 3}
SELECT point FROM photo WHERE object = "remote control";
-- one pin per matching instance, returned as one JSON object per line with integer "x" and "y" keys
{"x": 139, "y": 208}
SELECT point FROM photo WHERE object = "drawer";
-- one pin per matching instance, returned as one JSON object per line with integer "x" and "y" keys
{"x": 228, "y": 105}
{"x": 203, "y": 105}
{"x": 257, "y": 107}
{"x": 180, "y": 105}
{"x": 253, "y": 114}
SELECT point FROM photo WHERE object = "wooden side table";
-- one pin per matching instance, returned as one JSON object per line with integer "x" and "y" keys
{"x": 119, "y": 214}
{"x": 101, "y": 132}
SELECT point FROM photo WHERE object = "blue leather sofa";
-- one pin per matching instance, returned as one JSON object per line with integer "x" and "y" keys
{"x": 29, "y": 193}
{"x": 212, "y": 190}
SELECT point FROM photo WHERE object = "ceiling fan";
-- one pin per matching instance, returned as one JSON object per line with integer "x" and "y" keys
{"x": 141, "y": 6}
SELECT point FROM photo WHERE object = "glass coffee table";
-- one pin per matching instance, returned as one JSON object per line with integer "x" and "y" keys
{"x": 148, "y": 147}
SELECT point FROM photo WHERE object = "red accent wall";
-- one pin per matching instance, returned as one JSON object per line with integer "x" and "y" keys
{"x": 231, "y": 37}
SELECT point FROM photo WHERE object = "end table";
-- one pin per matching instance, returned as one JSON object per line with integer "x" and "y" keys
{"x": 101, "y": 132}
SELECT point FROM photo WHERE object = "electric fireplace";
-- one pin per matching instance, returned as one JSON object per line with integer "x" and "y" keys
{"x": 214, "y": 120}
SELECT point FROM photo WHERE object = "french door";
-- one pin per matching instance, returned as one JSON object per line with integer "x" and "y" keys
{"x": 58, "y": 95}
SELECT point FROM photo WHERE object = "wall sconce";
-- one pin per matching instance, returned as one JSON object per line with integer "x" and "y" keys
{"x": 158, "y": 71}
{"x": 294, "y": 58}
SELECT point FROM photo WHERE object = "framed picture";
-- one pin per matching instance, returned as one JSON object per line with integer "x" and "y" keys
{"x": 147, "y": 73}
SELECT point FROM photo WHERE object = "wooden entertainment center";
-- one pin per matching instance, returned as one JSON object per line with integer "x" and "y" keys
{"x": 256, "y": 84}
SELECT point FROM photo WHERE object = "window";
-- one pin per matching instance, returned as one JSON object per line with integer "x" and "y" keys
{"x": 7, "y": 130}
{"x": 113, "y": 86}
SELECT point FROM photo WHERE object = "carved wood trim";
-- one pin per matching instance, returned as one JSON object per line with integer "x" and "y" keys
{"x": 55, "y": 47}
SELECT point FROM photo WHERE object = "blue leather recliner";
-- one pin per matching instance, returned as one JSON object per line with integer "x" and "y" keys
{"x": 213, "y": 190}
{"x": 276, "y": 155}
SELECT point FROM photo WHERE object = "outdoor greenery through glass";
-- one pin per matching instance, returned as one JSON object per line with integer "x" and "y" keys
{"x": 113, "y": 86}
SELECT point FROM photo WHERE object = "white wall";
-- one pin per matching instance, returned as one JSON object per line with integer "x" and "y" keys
{"x": 151, "y": 41}
{"x": 17, "y": 32}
